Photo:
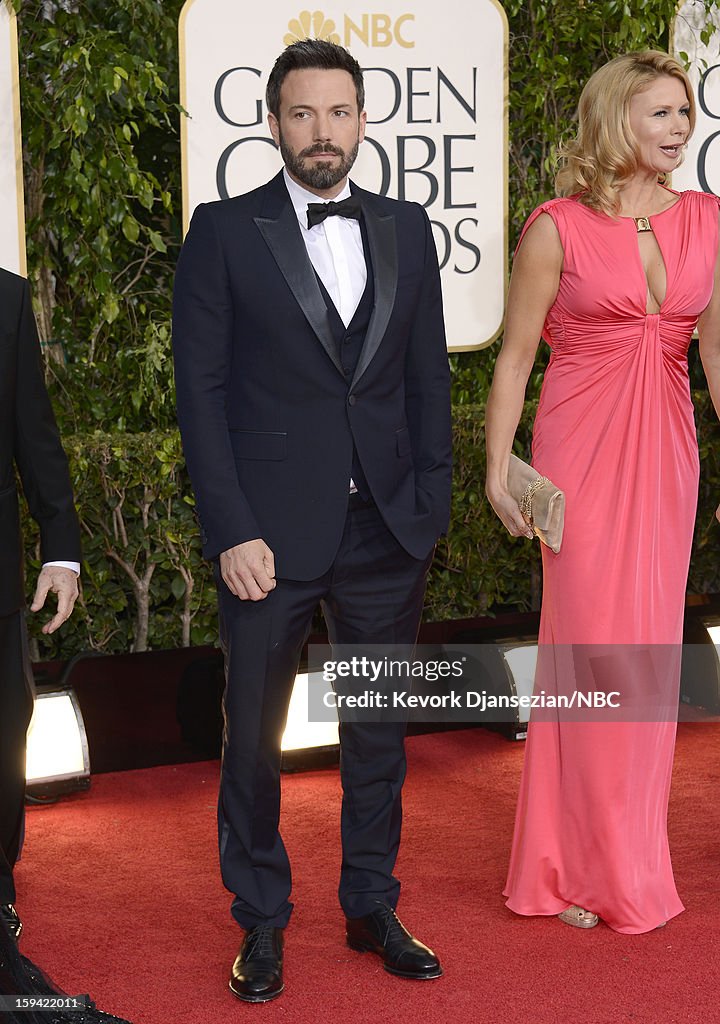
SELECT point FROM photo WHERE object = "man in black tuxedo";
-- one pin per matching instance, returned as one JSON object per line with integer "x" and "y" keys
{"x": 29, "y": 441}
{"x": 313, "y": 401}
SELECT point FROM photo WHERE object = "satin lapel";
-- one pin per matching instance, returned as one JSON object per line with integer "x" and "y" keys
{"x": 383, "y": 253}
{"x": 285, "y": 243}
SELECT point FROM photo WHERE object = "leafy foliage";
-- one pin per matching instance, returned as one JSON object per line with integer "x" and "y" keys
{"x": 102, "y": 180}
{"x": 555, "y": 45}
{"x": 144, "y": 582}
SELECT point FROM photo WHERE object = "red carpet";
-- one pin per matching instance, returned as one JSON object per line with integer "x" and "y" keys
{"x": 121, "y": 896}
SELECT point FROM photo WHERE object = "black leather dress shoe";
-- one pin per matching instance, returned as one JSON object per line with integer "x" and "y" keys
{"x": 12, "y": 921}
{"x": 381, "y": 932}
{"x": 257, "y": 971}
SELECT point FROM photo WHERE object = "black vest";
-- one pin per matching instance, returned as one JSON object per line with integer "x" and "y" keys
{"x": 350, "y": 340}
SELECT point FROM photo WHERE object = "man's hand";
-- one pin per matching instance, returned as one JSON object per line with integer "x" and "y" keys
{"x": 62, "y": 582}
{"x": 249, "y": 570}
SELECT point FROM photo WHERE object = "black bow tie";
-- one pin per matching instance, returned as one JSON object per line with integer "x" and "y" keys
{"x": 317, "y": 212}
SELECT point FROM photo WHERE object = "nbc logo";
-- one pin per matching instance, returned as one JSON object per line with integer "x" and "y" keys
{"x": 311, "y": 26}
{"x": 370, "y": 30}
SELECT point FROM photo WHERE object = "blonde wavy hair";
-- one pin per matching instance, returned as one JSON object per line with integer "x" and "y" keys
{"x": 603, "y": 156}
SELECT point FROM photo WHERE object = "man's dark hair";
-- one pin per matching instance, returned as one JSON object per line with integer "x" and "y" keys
{"x": 312, "y": 53}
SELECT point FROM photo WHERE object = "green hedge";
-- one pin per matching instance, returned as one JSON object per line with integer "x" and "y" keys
{"x": 144, "y": 582}
{"x": 146, "y": 585}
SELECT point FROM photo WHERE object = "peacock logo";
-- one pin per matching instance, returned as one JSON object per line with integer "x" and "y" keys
{"x": 309, "y": 25}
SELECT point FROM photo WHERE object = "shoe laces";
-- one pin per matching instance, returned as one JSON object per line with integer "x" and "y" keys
{"x": 395, "y": 931}
{"x": 260, "y": 943}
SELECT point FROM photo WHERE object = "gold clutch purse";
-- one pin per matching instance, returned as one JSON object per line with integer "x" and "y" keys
{"x": 539, "y": 500}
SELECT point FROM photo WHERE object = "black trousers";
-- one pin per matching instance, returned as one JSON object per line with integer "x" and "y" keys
{"x": 15, "y": 712}
{"x": 372, "y": 594}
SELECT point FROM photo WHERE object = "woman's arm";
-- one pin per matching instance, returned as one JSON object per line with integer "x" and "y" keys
{"x": 533, "y": 288}
{"x": 709, "y": 334}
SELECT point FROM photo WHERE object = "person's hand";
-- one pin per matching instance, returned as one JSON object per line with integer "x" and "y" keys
{"x": 60, "y": 581}
{"x": 508, "y": 511}
{"x": 717, "y": 513}
{"x": 249, "y": 570}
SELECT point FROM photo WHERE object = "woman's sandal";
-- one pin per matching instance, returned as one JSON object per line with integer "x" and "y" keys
{"x": 578, "y": 917}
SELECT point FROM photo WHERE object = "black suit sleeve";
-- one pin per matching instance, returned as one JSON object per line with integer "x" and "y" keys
{"x": 427, "y": 393}
{"x": 202, "y": 343}
{"x": 38, "y": 451}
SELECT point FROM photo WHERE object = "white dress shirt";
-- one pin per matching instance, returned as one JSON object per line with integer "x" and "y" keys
{"x": 75, "y": 566}
{"x": 336, "y": 252}
{"x": 335, "y": 249}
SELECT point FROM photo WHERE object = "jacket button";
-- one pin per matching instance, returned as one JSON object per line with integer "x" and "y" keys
{"x": 352, "y": 400}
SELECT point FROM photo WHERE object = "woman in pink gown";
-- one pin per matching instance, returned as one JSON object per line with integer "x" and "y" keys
{"x": 615, "y": 276}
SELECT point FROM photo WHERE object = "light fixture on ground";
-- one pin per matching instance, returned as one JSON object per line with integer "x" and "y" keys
{"x": 505, "y": 670}
{"x": 58, "y": 759}
{"x": 520, "y": 660}
{"x": 700, "y": 675}
{"x": 307, "y": 744}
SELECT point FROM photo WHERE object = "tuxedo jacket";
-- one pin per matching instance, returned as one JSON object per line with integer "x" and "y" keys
{"x": 30, "y": 441}
{"x": 267, "y": 415}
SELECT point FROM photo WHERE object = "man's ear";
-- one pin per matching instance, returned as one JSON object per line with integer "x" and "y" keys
{"x": 274, "y": 128}
{"x": 362, "y": 122}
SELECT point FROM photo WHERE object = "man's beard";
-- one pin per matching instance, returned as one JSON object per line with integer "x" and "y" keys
{"x": 320, "y": 176}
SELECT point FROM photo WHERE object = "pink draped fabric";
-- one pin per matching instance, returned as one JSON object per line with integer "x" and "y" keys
{"x": 615, "y": 430}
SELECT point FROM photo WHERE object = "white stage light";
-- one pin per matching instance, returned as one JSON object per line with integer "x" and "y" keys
{"x": 700, "y": 675}
{"x": 58, "y": 759}
{"x": 300, "y": 734}
{"x": 521, "y": 662}
{"x": 502, "y": 669}
{"x": 714, "y": 634}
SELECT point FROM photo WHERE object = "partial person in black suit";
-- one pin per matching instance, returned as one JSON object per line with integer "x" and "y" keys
{"x": 313, "y": 401}
{"x": 29, "y": 440}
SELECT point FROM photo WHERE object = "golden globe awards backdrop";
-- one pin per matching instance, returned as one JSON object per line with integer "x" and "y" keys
{"x": 12, "y": 220}
{"x": 701, "y": 166}
{"x": 436, "y": 98}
